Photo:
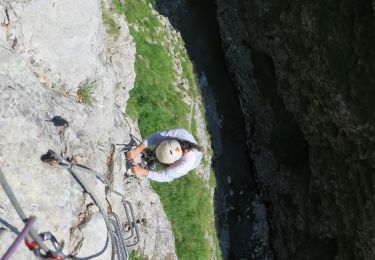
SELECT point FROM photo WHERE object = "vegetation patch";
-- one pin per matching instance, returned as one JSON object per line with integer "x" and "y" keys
{"x": 111, "y": 27}
{"x": 136, "y": 255}
{"x": 193, "y": 128}
{"x": 85, "y": 93}
{"x": 188, "y": 206}
{"x": 188, "y": 72}
{"x": 155, "y": 104}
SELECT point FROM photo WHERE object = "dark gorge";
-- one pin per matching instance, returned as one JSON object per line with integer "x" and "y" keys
{"x": 292, "y": 85}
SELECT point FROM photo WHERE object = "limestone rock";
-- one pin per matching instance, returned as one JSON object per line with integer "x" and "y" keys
{"x": 48, "y": 50}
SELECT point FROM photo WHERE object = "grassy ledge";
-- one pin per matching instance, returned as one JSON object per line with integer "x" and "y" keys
{"x": 156, "y": 103}
{"x": 111, "y": 27}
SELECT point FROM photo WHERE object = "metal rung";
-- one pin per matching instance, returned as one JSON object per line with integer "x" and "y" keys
{"x": 119, "y": 242}
{"x": 134, "y": 233}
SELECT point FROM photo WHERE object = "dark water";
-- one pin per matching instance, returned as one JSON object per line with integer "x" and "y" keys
{"x": 196, "y": 21}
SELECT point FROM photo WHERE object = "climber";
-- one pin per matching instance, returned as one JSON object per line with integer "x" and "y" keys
{"x": 176, "y": 149}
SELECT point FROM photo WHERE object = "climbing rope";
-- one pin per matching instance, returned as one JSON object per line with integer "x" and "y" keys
{"x": 21, "y": 236}
{"x": 33, "y": 241}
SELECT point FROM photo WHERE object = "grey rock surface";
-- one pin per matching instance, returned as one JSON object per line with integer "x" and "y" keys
{"x": 48, "y": 50}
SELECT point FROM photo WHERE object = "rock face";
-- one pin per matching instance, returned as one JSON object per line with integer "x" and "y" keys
{"x": 304, "y": 75}
{"x": 49, "y": 51}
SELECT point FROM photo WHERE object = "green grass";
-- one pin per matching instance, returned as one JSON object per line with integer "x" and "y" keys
{"x": 112, "y": 28}
{"x": 86, "y": 92}
{"x": 212, "y": 180}
{"x": 155, "y": 104}
{"x": 194, "y": 127}
{"x": 188, "y": 207}
{"x": 135, "y": 255}
{"x": 119, "y": 6}
{"x": 188, "y": 72}
{"x": 217, "y": 248}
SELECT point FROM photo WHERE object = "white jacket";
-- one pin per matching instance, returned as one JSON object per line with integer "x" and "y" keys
{"x": 186, "y": 163}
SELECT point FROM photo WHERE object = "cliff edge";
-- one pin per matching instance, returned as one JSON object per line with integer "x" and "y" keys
{"x": 60, "y": 63}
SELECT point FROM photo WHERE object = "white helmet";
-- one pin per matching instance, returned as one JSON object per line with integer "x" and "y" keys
{"x": 168, "y": 151}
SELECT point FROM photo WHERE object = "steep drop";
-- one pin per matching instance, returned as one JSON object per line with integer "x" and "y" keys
{"x": 241, "y": 216}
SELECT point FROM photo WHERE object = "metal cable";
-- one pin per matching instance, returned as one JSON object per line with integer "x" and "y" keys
{"x": 126, "y": 204}
{"x": 115, "y": 233}
{"x": 88, "y": 189}
{"x": 118, "y": 244}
